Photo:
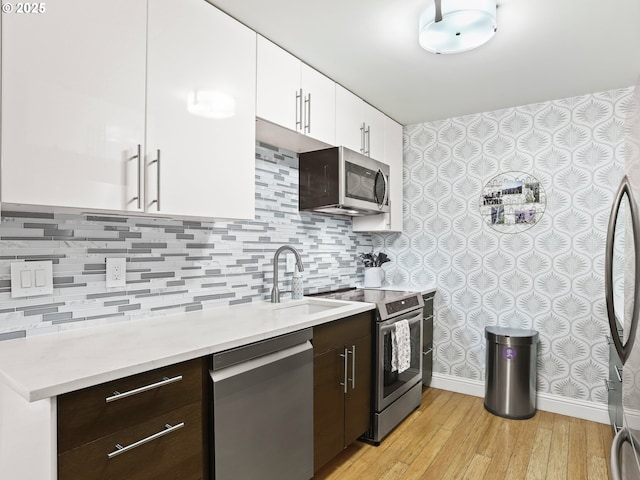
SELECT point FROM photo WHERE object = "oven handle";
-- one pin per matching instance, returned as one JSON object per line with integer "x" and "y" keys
{"x": 391, "y": 323}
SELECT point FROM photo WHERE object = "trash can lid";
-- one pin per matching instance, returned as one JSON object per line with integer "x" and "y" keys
{"x": 511, "y": 336}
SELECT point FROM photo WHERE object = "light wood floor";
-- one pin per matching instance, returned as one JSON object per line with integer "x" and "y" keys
{"x": 452, "y": 436}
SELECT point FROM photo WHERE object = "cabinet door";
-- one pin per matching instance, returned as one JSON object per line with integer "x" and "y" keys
{"x": 319, "y": 96}
{"x": 278, "y": 86}
{"x": 393, "y": 157}
{"x": 200, "y": 112}
{"x": 358, "y": 398}
{"x": 328, "y": 405}
{"x": 73, "y": 82}
{"x": 374, "y": 132}
{"x": 349, "y": 120}
{"x": 391, "y": 221}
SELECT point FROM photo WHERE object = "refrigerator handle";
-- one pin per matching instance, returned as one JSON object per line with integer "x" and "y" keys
{"x": 615, "y": 458}
{"x": 622, "y": 349}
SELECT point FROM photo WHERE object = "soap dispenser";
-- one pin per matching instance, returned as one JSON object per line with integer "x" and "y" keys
{"x": 296, "y": 285}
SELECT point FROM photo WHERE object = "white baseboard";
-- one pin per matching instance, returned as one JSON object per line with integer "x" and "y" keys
{"x": 595, "y": 412}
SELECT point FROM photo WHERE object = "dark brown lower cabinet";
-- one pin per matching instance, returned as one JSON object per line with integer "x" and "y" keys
{"x": 178, "y": 454}
{"x": 342, "y": 384}
{"x": 150, "y": 426}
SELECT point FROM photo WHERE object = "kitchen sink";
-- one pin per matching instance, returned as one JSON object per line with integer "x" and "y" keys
{"x": 308, "y": 307}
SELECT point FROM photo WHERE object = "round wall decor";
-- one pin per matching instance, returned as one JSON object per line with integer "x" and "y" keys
{"x": 512, "y": 202}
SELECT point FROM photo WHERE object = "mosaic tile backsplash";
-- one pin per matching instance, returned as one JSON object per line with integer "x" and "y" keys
{"x": 173, "y": 266}
{"x": 549, "y": 277}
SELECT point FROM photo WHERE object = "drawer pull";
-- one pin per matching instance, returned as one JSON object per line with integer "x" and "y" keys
{"x": 168, "y": 429}
{"x": 165, "y": 381}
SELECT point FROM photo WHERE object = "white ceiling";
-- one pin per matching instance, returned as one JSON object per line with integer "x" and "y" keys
{"x": 543, "y": 50}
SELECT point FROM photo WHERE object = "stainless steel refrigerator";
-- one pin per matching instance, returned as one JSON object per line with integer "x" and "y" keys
{"x": 622, "y": 289}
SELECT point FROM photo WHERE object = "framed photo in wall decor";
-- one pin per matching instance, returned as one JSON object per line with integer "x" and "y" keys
{"x": 512, "y": 202}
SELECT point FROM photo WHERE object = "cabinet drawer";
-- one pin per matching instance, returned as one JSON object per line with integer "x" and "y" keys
{"x": 341, "y": 332}
{"x": 176, "y": 454}
{"x": 86, "y": 415}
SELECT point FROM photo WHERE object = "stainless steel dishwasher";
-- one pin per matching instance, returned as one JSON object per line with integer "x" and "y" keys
{"x": 263, "y": 410}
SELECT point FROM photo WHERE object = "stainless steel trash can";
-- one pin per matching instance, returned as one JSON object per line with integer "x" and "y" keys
{"x": 510, "y": 379}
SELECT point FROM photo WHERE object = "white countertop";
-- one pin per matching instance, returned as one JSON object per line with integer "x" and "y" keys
{"x": 49, "y": 365}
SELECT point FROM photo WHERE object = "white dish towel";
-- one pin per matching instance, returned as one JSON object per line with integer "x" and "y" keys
{"x": 401, "y": 347}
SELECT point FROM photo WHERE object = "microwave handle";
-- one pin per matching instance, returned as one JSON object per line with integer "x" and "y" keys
{"x": 386, "y": 189}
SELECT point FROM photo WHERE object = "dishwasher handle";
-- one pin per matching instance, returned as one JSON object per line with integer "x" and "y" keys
{"x": 256, "y": 363}
{"x": 243, "y": 353}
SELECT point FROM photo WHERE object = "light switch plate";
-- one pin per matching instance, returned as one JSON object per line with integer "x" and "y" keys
{"x": 31, "y": 278}
{"x": 116, "y": 272}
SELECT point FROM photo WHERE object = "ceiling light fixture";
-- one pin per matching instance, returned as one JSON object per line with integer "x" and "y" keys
{"x": 454, "y": 26}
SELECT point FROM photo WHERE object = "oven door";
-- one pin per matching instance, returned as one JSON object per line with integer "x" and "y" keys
{"x": 390, "y": 385}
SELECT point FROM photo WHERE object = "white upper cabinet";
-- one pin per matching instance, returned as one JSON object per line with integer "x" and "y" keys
{"x": 293, "y": 95}
{"x": 278, "y": 88}
{"x": 393, "y": 156}
{"x": 319, "y": 105}
{"x": 349, "y": 122}
{"x": 374, "y": 121}
{"x": 73, "y": 84}
{"x": 85, "y": 83}
{"x": 391, "y": 221}
{"x": 359, "y": 126}
{"x": 201, "y": 71}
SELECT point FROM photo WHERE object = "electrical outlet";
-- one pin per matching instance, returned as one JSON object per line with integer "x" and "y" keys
{"x": 290, "y": 263}
{"x": 116, "y": 272}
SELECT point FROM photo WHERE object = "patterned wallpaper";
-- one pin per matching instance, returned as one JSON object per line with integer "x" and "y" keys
{"x": 173, "y": 265}
{"x": 549, "y": 277}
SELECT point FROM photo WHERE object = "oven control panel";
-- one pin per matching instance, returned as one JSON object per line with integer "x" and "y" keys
{"x": 402, "y": 305}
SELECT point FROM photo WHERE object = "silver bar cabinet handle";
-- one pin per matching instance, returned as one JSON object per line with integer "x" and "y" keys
{"x": 157, "y": 162}
{"x": 346, "y": 362}
{"x": 618, "y": 372}
{"x": 608, "y": 386}
{"x": 362, "y": 138}
{"x": 168, "y": 429}
{"x": 427, "y": 352}
{"x": 139, "y": 157}
{"x": 146, "y": 388}
{"x": 367, "y": 132}
{"x": 299, "y": 116}
{"x": 353, "y": 366}
{"x": 307, "y": 107}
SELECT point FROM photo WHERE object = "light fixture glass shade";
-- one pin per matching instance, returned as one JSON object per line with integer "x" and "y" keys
{"x": 465, "y": 24}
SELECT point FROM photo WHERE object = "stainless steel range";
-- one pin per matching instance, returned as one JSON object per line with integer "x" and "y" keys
{"x": 397, "y": 391}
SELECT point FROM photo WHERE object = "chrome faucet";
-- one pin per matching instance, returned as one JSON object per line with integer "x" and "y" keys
{"x": 275, "y": 293}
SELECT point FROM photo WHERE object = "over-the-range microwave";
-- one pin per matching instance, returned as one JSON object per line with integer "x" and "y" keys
{"x": 338, "y": 180}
